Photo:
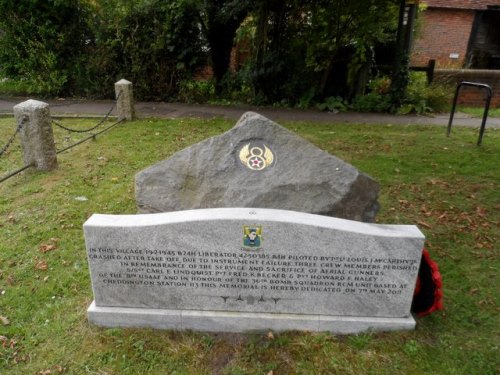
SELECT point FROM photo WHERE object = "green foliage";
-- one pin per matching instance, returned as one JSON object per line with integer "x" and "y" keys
{"x": 380, "y": 85}
{"x": 304, "y": 45}
{"x": 41, "y": 42}
{"x": 155, "y": 44}
{"x": 332, "y": 104}
{"x": 372, "y": 102}
{"x": 219, "y": 21}
{"x": 196, "y": 91}
{"x": 307, "y": 99}
{"x": 83, "y": 47}
{"x": 297, "y": 53}
{"x": 422, "y": 98}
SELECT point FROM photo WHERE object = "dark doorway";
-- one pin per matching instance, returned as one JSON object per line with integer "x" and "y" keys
{"x": 484, "y": 45}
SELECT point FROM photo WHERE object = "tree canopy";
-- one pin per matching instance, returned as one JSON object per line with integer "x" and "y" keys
{"x": 295, "y": 50}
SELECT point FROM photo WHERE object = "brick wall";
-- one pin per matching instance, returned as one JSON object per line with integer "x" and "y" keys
{"x": 472, "y": 96}
{"x": 442, "y": 32}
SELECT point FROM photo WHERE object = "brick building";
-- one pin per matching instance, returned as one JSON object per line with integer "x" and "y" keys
{"x": 459, "y": 33}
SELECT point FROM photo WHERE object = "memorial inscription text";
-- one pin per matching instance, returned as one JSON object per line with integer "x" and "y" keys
{"x": 256, "y": 271}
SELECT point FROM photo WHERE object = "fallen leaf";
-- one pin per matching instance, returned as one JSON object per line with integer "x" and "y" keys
{"x": 480, "y": 211}
{"x": 5, "y": 321}
{"x": 41, "y": 265}
{"x": 424, "y": 224}
{"x": 46, "y": 248}
{"x": 270, "y": 336}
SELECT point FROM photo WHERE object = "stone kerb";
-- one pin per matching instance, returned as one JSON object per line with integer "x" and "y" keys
{"x": 37, "y": 139}
{"x": 242, "y": 269}
{"x": 124, "y": 100}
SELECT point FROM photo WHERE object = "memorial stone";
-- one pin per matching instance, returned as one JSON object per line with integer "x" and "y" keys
{"x": 258, "y": 163}
{"x": 242, "y": 270}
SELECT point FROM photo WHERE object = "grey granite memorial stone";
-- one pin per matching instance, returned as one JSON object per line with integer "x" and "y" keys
{"x": 257, "y": 163}
{"x": 241, "y": 269}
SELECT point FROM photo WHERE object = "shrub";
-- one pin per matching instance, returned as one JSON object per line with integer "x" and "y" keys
{"x": 196, "y": 91}
{"x": 423, "y": 98}
{"x": 333, "y": 104}
{"x": 372, "y": 102}
{"x": 41, "y": 43}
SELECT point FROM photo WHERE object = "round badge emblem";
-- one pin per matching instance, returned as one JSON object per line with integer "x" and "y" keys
{"x": 256, "y": 158}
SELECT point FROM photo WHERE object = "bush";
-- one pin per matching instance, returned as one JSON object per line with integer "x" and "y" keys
{"x": 76, "y": 47}
{"x": 155, "y": 44}
{"x": 372, "y": 102}
{"x": 41, "y": 43}
{"x": 422, "y": 98}
{"x": 196, "y": 91}
{"x": 333, "y": 104}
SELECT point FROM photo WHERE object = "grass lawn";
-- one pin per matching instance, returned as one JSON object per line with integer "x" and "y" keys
{"x": 479, "y": 111}
{"x": 447, "y": 186}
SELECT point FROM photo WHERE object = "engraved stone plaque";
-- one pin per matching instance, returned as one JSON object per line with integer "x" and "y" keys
{"x": 240, "y": 269}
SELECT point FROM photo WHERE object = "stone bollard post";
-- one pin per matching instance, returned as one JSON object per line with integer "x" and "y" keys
{"x": 37, "y": 139}
{"x": 124, "y": 100}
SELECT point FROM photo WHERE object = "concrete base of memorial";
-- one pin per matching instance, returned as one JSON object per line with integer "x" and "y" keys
{"x": 240, "y": 322}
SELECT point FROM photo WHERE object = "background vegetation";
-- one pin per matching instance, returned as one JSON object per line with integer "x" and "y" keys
{"x": 302, "y": 53}
{"x": 446, "y": 186}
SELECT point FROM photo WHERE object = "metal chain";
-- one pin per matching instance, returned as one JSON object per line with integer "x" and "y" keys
{"x": 58, "y": 124}
{"x": 92, "y": 136}
{"x": 11, "y": 140}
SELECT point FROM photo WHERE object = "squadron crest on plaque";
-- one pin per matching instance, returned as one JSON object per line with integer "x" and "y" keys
{"x": 252, "y": 236}
{"x": 256, "y": 157}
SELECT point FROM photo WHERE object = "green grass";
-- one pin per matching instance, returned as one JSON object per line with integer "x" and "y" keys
{"x": 447, "y": 186}
{"x": 479, "y": 111}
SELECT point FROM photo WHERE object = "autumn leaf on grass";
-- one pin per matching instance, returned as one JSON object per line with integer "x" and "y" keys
{"x": 57, "y": 369}
{"x": 41, "y": 265}
{"x": 51, "y": 245}
{"x": 45, "y": 248}
{"x": 5, "y": 321}
{"x": 424, "y": 224}
{"x": 480, "y": 211}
